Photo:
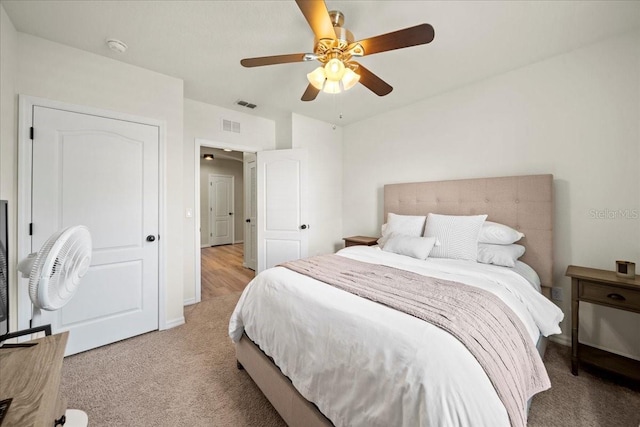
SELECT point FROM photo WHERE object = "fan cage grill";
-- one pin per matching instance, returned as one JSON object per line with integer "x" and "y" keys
{"x": 60, "y": 264}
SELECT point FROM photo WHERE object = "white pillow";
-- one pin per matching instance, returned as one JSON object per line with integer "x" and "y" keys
{"x": 504, "y": 255}
{"x": 498, "y": 234}
{"x": 409, "y": 225}
{"x": 528, "y": 273}
{"x": 415, "y": 247}
{"x": 457, "y": 235}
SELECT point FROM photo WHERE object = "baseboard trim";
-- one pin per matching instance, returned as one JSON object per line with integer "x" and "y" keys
{"x": 175, "y": 322}
{"x": 189, "y": 301}
{"x": 561, "y": 339}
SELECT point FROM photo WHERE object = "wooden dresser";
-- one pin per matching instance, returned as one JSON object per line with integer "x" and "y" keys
{"x": 602, "y": 287}
{"x": 31, "y": 377}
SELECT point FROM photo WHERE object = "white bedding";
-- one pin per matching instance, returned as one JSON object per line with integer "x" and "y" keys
{"x": 364, "y": 364}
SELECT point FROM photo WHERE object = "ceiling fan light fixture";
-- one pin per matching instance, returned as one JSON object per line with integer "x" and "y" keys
{"x": 331, "y": 86}
{"x": 317, "y": 78}
{"x": 321, "y": 81}
{"x": 350, "y": 79}
{"x": 334, "y": 69}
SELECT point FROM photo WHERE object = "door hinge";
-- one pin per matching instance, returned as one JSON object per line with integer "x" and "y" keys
{"x": 31, "y": 133}
{"x": 30, "y": 229}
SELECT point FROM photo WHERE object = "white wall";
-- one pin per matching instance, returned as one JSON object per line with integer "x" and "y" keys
{"x": 324, "y": 145}
{"x": 57, "y": 72}
{"x": 576, "y": 115}
{"x": 232, "y": 168}
{"x": 204, "y": 121}
{"x": 284, "y": 128}
{"x": 8, "y": 147}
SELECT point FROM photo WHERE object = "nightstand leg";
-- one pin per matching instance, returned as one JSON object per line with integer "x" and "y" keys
{"x": 575, "y": 307}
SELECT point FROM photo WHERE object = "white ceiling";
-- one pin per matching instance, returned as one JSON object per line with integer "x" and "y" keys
{"x": 202, "y": 43}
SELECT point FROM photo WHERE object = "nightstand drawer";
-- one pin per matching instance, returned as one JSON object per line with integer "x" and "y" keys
{"x": 610, "y": 295}
{"x": 360, "y": 240}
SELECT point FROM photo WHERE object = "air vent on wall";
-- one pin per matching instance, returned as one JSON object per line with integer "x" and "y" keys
{"x": 230, "y": 126}
{"x": 246, "y": 104}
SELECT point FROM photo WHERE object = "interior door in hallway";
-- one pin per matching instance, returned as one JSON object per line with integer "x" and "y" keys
{"x": 221, "y": 210}
{"x": 102, "y": 173}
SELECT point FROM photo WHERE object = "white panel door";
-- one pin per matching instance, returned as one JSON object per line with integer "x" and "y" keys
{"x": 102, "y": 173}
{"x": 220, "y": 210}
{"x": 250, "y": 212}
{"x": 282, "y": 206}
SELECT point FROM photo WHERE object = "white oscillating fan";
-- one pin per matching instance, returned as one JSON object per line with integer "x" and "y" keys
{"x": 54, "y": 273}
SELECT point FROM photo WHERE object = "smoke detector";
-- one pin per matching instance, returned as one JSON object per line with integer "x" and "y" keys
{"x": 117, "y": 45}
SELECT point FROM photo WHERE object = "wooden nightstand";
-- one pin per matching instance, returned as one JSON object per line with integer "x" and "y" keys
{"x": 360, "y": 240}
{"x": 602, "y": 287}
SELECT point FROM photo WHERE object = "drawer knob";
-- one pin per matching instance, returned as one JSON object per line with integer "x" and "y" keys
{"x": 616, "y": 297}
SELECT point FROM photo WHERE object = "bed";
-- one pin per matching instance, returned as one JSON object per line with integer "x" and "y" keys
{"x": 363, "y": 363}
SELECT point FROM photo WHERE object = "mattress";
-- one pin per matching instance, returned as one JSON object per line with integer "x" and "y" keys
{"x": 364, "y": 364}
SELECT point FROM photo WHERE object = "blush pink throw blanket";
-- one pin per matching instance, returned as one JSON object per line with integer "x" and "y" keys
{"x": 477, "y": 318}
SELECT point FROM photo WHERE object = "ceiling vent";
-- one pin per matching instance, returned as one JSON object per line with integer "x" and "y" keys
{"x": 230, "y": 126}
{"x": 246, "y": 104}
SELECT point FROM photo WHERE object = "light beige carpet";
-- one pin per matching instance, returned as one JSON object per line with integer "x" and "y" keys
{"x": 187, "y": 376}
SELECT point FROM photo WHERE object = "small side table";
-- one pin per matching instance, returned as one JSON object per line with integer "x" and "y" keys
{"x": 360, "y": 240}
{"x": 602, "y": 287}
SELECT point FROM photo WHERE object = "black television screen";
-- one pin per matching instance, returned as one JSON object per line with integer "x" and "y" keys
{"x": 4, "y": 269}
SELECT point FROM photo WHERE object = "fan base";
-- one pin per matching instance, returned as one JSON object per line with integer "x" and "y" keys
{"x": 76, "y": 418}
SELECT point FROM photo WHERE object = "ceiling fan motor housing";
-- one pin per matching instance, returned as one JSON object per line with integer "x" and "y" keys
{"x": 342, "y": 47}
{"x": 343, "y": 37}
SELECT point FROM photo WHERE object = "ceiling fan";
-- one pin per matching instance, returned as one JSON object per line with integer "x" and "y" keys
{"x": 335, "y": 48}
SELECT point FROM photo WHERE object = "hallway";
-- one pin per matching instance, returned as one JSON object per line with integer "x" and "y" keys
{"x": 222, "y": 271}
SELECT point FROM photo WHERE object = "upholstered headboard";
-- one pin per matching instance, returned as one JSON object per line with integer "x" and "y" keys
{"x": 522, "y": 202}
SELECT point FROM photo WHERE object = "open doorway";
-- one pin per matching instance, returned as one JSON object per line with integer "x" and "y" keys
{"x": 221, "y": 197}
{"x": 223, "y": 212}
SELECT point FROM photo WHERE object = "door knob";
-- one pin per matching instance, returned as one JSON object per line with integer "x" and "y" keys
{"x": 230, "y": 213}
{"x": 151, "y": 238}
{"x": 303, "y": 227}
{"x": 247, "y": 220}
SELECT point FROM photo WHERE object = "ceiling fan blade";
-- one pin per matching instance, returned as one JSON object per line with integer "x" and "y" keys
{"x": 317, "y": 15}
{"x": 310, "y": 94}
{"x": 412, "y": 36}
{"x": 373, "y": 82}
{"x": 272, "y": 60}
